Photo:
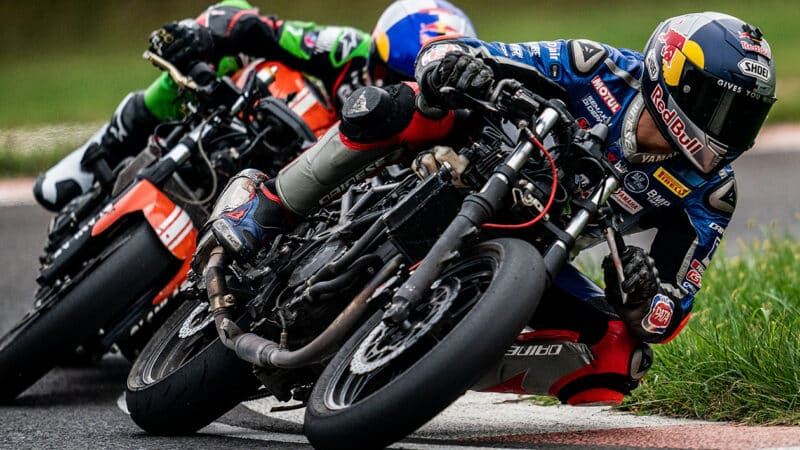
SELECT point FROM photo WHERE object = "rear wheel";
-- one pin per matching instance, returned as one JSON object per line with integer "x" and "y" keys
{"x": 51, "y": 332}
{"x": 185, "y": 377}
{"x": 386, "y": 381}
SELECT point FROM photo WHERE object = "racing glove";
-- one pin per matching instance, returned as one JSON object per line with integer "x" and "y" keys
{"x": 463, "y": 72}
{"x": 641, "y": 278}
{"x": 647, "y": 313}
{"x": 183, "y": 44}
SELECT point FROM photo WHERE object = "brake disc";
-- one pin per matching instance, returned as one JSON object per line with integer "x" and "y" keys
{"x": 388, "y": 341}
{"x": 194, "y": 322}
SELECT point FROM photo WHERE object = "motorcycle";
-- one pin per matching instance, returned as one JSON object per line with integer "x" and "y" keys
{"x": 116, "y": 255}
{"x": 384, "y": 306}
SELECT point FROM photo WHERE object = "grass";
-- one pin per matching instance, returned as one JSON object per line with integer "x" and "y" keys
{"x": 738, "y": 359}
{"x": 82, "y": 58}
{"x": 13, "y": 163}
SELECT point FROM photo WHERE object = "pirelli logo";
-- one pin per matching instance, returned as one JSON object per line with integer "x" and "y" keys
{"x": 671, "y": 183}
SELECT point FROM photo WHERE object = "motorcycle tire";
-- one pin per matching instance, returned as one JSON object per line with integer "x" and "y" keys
{"x": 178, "y": 385}
{"x": 51, "y": 333}
{"x": 501, "y": 282}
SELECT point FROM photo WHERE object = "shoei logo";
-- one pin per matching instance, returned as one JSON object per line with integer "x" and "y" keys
{"x": 674, "y": 123}
{"x": 754, "y": 69}
{"x": 671, "y": 183}
{"x": 605, "y": 94}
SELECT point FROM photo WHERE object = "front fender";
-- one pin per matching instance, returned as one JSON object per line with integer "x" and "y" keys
{"x": 171, "y": 223}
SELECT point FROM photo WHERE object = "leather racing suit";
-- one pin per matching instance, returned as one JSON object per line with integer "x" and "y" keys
{"x": 334, "y": 56}
{"x": 599, "y": 356}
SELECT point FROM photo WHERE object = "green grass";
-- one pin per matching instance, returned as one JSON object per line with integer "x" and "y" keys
{"x": 738, "y": 359}
{"x": 81, "y": 58}
{"x": 16, "y": 164}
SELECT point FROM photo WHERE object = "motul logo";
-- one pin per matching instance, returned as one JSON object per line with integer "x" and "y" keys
{"x": 605, "y": 94}
{"x": 674, "y": 123}
{"x": 534, "y": 350}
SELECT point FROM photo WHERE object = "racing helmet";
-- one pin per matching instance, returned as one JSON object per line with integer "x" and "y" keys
{"x": 403, "y": 29}
{"x": 709, "y": 83}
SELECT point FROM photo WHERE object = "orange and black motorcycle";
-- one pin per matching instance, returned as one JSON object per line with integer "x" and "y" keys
{"x": 115, "y": 255}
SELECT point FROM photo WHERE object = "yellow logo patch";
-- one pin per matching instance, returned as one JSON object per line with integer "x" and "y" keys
{"x": 671, "y": 183}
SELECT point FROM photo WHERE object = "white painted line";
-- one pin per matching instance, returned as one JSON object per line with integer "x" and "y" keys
{"x": 221, "y": 429}
{"x": 16, "y": 192}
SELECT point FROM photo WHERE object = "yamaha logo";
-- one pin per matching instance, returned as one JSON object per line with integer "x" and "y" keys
{"x": 754, "y": 69}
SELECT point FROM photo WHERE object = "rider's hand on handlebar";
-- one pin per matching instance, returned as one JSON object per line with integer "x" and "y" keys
{"x": 182, "y": 43}
{"x": 460, "y": 71}
{"x": 641, "y": 278}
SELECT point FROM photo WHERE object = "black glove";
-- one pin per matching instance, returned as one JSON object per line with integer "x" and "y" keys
{"x": 464, "y": 72}
{"x": 641, "y": 278}
{"x": 183, "y": 44}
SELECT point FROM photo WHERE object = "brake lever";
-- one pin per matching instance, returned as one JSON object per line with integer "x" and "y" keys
{"x": 616, "y": 247}
{"x": 178, "y": 76}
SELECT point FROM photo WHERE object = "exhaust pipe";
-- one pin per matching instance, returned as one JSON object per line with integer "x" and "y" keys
{"x": 265, "y": 353}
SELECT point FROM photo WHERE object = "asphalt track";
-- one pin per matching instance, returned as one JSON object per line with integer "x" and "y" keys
{"x": 80, "y": 407}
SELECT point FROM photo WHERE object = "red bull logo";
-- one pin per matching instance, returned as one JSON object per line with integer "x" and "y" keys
{"x": 435, "y": 29}
{"x": 672, "y": 41}
{"x": 674, "y": 123}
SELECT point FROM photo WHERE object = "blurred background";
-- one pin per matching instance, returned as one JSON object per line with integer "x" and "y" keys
{"x": 71, "y": 61}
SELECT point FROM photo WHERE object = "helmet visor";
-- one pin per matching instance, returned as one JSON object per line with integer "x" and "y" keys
{"x": 727, "y": 112}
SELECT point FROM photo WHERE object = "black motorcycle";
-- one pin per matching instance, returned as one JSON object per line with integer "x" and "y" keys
{"x": 115, "y": 256}
{"x": 382, "y": 308}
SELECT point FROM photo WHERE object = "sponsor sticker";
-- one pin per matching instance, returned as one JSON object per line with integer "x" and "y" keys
{"x": 755, "y": 47}
{"x": 695, "y": 277}
{"x": 437, "y": 52}
{"x": 636, "y": 181}
{"x": 672, "y": 183}
{"x": 657, "y": 320}
{"x": 674, "y": 123}
{"x": 605, "y": 94}
{"x": 626, "y": 201}
{"x": 716, "y": 227}
{"x": 754, "y": 69}
{"x": 652, "y": 65}
{"x": 657, "y": 199}
{"x": 594, "y": 109}
{"x": 672, "y": 41}
{"x": 698, "y": 266}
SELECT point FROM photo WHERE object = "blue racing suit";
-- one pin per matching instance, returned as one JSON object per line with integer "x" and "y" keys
{"x": 689, "y": 210}
{"x": 596, "y": 353}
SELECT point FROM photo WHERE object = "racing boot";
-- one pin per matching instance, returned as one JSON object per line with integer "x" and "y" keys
{"x": 561, "y": 363}
{"x": 248, "y": 214}
{"x": 124, "y": 135}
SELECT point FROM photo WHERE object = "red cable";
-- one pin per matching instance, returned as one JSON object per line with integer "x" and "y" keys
{"x": 549, "y": 201}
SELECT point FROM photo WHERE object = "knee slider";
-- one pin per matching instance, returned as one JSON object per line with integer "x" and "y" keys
{"x": 373, "y": 114}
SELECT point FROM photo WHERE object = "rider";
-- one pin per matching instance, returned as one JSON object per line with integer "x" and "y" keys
{"x": 341, "y": 59}
{"x": 678, "y": 114}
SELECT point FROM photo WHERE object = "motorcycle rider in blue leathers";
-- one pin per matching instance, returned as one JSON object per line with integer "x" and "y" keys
{"x": 341, "y": 59}
{"x": 678, "y": 114}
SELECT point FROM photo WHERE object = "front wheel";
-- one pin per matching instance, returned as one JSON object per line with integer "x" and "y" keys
{"x": 51, "y": 332}
{"x": 387, "y": 381}
{"x": 185, "y": 377}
